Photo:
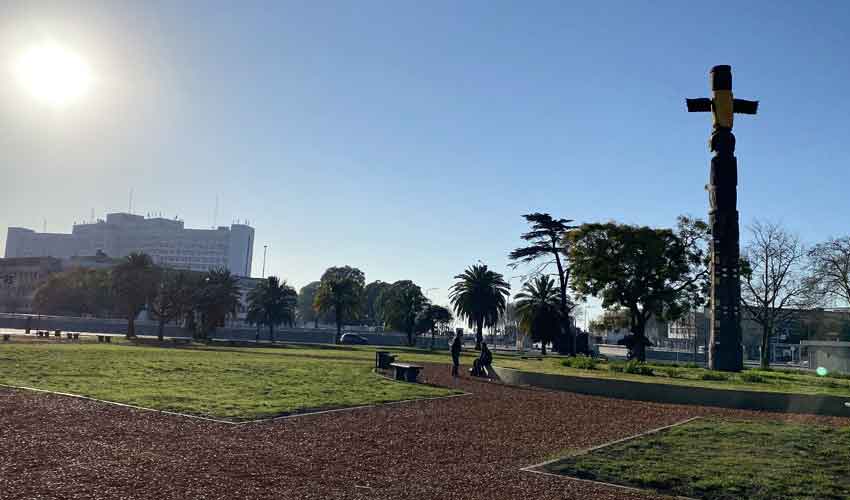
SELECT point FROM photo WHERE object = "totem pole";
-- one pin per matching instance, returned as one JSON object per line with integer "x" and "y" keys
{"x": 725, "y": 352}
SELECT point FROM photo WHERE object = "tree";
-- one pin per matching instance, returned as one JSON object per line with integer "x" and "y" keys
{"x": 433, "y": 318}
{"x": 272, "y": 303}
{"x": 173, "y": 299}
{"x": 830, "y": 268}
{"x": 548, "y": 243}
{"x": 643, "y": 270}
{"x": 401, "y": 305}
{"x": 216, "y": 299}
{"x": 479, "y": 296}
{"x": 341, "y": 293}
{"x": 372, "y": 303}
{"x": 78, "y": 292}
{"x": 539, "y": 310}
{"x": 775, "y": 283}
{"x": 306, "y": 298}
{"x": 134, "y": 283}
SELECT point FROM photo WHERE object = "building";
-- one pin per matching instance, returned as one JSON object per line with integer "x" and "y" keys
{"x": 167, "y": 241}
{"x": 832, "y": 356}
{"x": 19, "y": 279}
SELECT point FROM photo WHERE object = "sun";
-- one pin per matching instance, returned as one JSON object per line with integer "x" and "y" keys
{"x": 53, "y": 74}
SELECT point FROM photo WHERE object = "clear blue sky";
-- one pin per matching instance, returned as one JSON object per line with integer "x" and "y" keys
{"x": 406, "y": 138}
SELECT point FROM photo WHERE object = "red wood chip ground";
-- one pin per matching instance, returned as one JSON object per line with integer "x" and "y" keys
{"x": 54, "y": 447}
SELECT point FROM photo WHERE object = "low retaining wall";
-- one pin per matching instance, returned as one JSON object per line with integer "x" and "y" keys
{"x": 677, "y": 394}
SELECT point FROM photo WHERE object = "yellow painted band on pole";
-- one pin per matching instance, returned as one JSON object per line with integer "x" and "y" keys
{"x": 722, "y": 105}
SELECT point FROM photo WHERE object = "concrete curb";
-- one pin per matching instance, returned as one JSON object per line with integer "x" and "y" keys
{"x": 834, "y": 406}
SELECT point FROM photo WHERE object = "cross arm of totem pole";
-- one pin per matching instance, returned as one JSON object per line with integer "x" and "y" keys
{"x": 740, "y": 106}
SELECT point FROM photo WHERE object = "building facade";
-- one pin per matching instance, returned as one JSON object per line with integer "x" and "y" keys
{"x": 167, "y": 241}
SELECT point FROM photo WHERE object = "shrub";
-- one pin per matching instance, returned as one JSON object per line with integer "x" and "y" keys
{"x": 581, "y": 362}
{"x": 752, "y": 378}
{"x": 691, "y": 365}
{"x": 634, "y": 367}
{"x": 709, "y": 375}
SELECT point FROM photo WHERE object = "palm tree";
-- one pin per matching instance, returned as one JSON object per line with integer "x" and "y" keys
{"x": 539, "y": 311}
{"x": 216, "y": 299}
{"x": 479, "y": 296}
{"x": 271, "y": 303}
{"x": 341, "y": 292}
{"x": 134, "y": 283}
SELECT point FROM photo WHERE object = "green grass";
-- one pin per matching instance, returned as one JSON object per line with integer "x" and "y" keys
{"x": 785, "y": 381}
{"x": 230, "y": 383}
{"x": 722, "y": 460}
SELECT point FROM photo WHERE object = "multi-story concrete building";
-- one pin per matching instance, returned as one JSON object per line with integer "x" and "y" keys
{"x": 167, "y": 241}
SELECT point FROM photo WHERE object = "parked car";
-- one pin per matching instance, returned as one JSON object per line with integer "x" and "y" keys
{"x": 353, "y": 338}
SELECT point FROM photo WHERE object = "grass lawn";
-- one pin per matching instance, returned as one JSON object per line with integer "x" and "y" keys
{"x": 720, "y": 460}
{"x": 786, "y": 381}
{"x": 227, "y": 383}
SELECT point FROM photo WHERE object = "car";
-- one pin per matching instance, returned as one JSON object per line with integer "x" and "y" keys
{"x": 353, "y": 338}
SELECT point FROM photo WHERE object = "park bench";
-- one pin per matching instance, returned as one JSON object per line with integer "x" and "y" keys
{"x": 406, "y": 371}
{"x": 383, "y": 360}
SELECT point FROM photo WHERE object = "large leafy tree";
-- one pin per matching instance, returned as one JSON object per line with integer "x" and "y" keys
{"x": 774, "y": 281}
{"x": 216, "y": 299}
{"x": 648, "y": 272}
{"x": 134, "y": 283}
{"x": 373, "y": 294}
{"x": 174, "y": 298}
{"x": 479, "y": 297}
{"x": 306, "y": 298}
{"x": 78, "y": 292}
{"x": 272, "y": 303}
{"x": 548, "y": 248}
{"x": 539, "y": 310}
{"x": 401, "y": 305}
{"x": 341, "y": 294}
{"x": 433, "y": 318}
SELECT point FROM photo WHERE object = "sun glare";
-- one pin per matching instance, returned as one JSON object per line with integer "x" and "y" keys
{"x": 53, "y": 74}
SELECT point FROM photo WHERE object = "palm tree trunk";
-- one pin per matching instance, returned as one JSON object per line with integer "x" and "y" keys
{"x": 479, "y": 334}
{"x": 161, "y": 332}
{"x": 271, "y": 332}
{"x": 543, "y": 348}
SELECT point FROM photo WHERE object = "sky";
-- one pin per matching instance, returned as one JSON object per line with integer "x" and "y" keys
{"x": 407, "y": 138}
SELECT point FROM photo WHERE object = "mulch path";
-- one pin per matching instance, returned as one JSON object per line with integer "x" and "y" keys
{"x": 54, "y": 447}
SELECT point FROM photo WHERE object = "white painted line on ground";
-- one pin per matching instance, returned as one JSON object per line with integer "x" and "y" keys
{"x": 534, "y": 469}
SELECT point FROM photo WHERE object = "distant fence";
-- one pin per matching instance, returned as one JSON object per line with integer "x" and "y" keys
{"x": 613, "y": 351}
{"x": 145, "y": 328}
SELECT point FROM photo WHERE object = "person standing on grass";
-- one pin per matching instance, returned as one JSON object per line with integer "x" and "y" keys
{"x": 457, "y": 345}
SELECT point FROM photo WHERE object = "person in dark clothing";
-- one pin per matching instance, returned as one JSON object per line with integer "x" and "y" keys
{"x": 457, "y": 345}
{"x": 479, "y": 366}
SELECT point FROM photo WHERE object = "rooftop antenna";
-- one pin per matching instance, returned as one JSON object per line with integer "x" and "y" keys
{"x": 215, "y": 213}
{"x": 130, "y": 205}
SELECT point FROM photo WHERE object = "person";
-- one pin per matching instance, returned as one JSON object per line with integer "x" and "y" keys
{"x": 457, "y": 345}
{"x": 480, "y": 365}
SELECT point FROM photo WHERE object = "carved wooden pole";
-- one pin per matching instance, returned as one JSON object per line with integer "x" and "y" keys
{"x": 725, "y": 351}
